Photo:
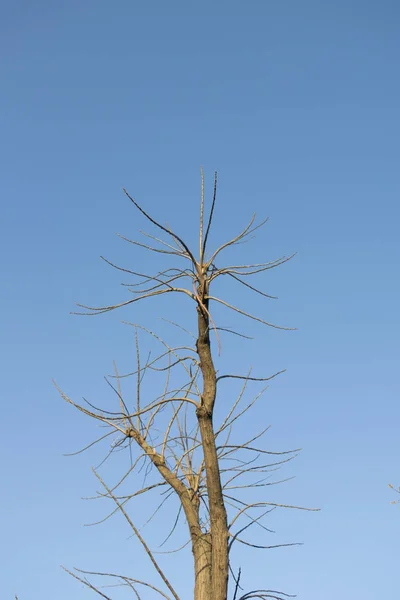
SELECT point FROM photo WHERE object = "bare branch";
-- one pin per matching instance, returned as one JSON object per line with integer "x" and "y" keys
{"x": 277, "y": 505}
{"x": 87, "y": 583}
{"x": 89, "y": 445}
{"x": 252, "y": 288}
{"x": 242, "y": 312}
{"x": 251, "y": 378}
{"x": 263, "y": 594}
{"x": 138, "y": 535}
{"x": 246, "y": 337}
{"x": 175, "y": 252}
{"x": 209, "y": 218}
{"x": 201, "y": 216}
{"x": 261, "y": 547}
{"x": 232, "y": 241}
{"x": 103, "y": 309}
{"x": 157, "y": 224}
{"x": 244, "y": 270}
{"x": 127, "y": 579}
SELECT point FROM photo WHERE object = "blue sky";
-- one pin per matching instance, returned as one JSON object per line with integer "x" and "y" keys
{"x": 297, "y": 106}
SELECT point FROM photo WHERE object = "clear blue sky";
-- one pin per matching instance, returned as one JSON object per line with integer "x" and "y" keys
{"x": 297, "y": 106}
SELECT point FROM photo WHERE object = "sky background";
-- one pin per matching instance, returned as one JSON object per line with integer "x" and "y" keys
{"x": 296, "y": 104}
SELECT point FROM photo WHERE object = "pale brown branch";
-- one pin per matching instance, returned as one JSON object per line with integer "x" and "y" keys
{"x": 89, "y": 413}
{"x": 125, "y": 578}
{"x": 245, "y": 314}
{"x": 87, "y": 583}
{"x": 161, "y": 504}
{"x": 149, "y": 365}
{"x": 395, "y": 490}
{"x": 138, "y": 535}
{"x": 174, "y": 550}
{"x": 179, "y": 327}
{"x": 152, "y": 249}
{"x": 169, "y": 367}
{"x": 264, "y": 468}
{"x": 169, "y": 426}
{"x": 231, "y": 419}
{"x": 166, "y": 273}
{"x": 89, "y": 445}
{"x": 231, "y": 242}
{"x": 162, "y": 282}
{"x": 124, "y": 408}
{"x": 277, "y": 505}
{"x": 231, "y": 411}
{"x": 147, "y": 278}
{"x": 142, "y": 411}
{"x": 252, "y": 269}
{"x": 177, "y": 249}
{"x": 103, "y": 309}
{"x": 124, "y": 500}
{"x": 253, "y": 485}
{"x": 172, "y": 350}
{"x": 233, "y": 448}
{"x": 201, "y": 216}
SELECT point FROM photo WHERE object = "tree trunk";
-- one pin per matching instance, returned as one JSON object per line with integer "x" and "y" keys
{"x": 218, "y": 518}
{"x": 202, "y": 567}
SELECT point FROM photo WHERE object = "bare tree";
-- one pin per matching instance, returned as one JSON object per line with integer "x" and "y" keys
{"x": 189, "y": 452}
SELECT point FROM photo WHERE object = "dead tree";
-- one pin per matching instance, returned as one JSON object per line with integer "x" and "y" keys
{"x": 190, "y": 457}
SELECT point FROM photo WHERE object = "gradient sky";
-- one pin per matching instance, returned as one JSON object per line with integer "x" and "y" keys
{"x": 297, "y": 106}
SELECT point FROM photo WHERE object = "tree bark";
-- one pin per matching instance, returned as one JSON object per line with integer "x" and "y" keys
{"x": 201, "y": 546}
{"x": 218, "y": 518}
